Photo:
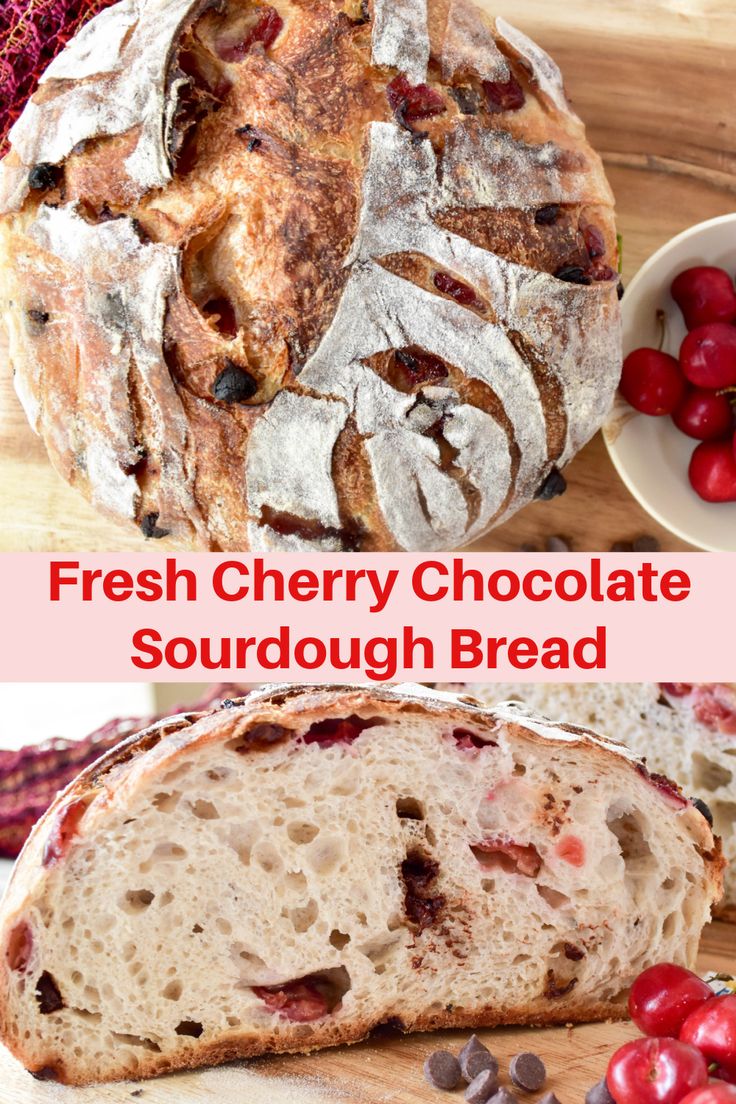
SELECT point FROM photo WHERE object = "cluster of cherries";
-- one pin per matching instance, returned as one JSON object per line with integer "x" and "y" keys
{"x": 691, "y": 1037}
{"x": 699, "y": 389}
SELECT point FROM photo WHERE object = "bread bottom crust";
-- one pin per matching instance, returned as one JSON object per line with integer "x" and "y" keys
{"x": 246, "y": 1046}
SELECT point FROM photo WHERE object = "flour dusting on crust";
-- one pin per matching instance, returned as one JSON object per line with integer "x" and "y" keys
{"x": 110, "y": 78}
{"x": 125, "y": 285}
{"x": 401, "y": 38}
{"x": 542, "y": 68}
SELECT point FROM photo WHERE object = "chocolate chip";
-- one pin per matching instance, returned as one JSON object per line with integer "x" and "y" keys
{"x": 474, "y": 1058}
{"x": 527, "y": 1071}
{"x": 48, "y": 995}
{"x": 620, "y": 290}
{"x": 442, "y": 1070}
{"x": 249, "y": 133}
{"x": 40, "y": 317}
{"x": 701, "y": 806}
{"x": 150, "y": 529}
{"x": 482, "y": 1087}
{"x": 622, "y": 546}
{"x": 43, "y": 177}
{"x": 599, "y": 1094}
{"x": 467, "y": 99}
{"x": 545, "y": 216}
{"x": 503, "y": 1096}
{"x": 573, "y": 274}
{"x": 647, "y": 544}
{"x": 573, "y": 953}
{"x": 554, "y": 485}
{"x": 557, "y": 544}
{"x": 234, "y": 384}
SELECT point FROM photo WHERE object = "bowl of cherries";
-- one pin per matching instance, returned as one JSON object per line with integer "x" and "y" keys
{"x": 672, "y": 434}
{"x": 687, "y": 1054}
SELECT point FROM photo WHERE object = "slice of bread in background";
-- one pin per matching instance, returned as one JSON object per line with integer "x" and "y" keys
{"x": 685, "y": 730}
{"x": 287, "y": 872}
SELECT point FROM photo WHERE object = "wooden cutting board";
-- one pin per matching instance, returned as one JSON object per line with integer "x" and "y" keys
{"x": 653, "y": 79}
{"x": 381, "y": 1071}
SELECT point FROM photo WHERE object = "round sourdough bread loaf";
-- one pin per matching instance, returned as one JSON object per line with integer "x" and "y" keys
{"x": 293, "y": 869}
{"x": 319, "y": 275}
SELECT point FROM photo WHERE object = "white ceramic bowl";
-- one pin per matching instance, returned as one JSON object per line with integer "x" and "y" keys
{"x": 650, "y": 454}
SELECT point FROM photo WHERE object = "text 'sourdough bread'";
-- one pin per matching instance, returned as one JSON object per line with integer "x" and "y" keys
{"x": 291, "y": 870}
{"x": 684, "y": 730}
{"x": 324, "y": 275}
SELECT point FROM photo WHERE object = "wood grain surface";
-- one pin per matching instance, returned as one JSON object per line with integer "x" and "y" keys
{"x": 653, "y": 81}
{"x": 380, "y": 1071}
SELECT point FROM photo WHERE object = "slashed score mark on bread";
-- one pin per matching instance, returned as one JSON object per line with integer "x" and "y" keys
{"x": 308, "y": 276}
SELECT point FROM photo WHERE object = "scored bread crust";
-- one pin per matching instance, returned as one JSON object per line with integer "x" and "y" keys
{"x": 685, "y": 730}
{"x": 119, "y": 775}
{"x": 323, "y": 219}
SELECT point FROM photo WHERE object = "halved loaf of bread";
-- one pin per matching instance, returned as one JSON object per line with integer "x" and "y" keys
{"x": 290, "y": 870}
{"x": 685, "y": 730}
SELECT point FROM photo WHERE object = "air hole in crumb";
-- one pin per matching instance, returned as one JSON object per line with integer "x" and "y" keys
{"x": 205, "y": 810}
{"x": 135, "y": 1041}
{"x": 166, "y": 802}
{"x": 300, "y": 831}
{"x": 339, "y": 939}
{"x": 223, "y": 925}
{"x": 488, "y": 885}
{"x": 553, "y": 898}
{"x": 519, "y": 769}
{"x": 172, "y": 991}
{"x": 138, "y": 900}
{"x": 190, "y": 1028}
{"x": 302, "y": 919}
{"x": 409, "y": 808}
{"x": 709, "y": 775}
{"x": 430, "y": 836}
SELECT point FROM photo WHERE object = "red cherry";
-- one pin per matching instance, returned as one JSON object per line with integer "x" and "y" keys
{"x": 713, "y": 471}
{"x": 708, "y": 355}
{"x": 298, "y": 1001}
{"x": 705, "y": 294}
{"x": 652, "y": 382}
{"x": 712, "y": 1094}
{"x": 704, "y": 415}
{"x": 712, "y": 1029}
{"x": 663, "y": 997}
{"x": 655, "y": 1071}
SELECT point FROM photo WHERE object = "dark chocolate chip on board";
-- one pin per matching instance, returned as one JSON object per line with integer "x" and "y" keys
{"x": 482, "y": 1088}
{"x": 527, "y": 1071}
{"x": 599, "y": 1094}
{"x": 503, "y": 1096}
{"x": 474, "y": 1058}
{"x": 442, "y": 1070}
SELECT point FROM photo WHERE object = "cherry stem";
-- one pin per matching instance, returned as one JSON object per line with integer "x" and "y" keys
{"x": 662, "y": 323}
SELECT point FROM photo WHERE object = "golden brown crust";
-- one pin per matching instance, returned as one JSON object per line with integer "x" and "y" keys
{"x": 261, "y": 217}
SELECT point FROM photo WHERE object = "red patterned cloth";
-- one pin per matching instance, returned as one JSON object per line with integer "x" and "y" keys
{"x": 32, "y": 33}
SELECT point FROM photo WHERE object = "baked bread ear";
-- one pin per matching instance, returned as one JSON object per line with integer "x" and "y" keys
{"x": 322, "y": 275}
{"x": 685, "y": 730}
{"x": 291, "y": 870}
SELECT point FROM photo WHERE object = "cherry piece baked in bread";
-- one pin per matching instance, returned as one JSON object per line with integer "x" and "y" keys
{"x": 686, "y": 730}
{"x": 312, "y": 275}
{"x": 295, "y": 868}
